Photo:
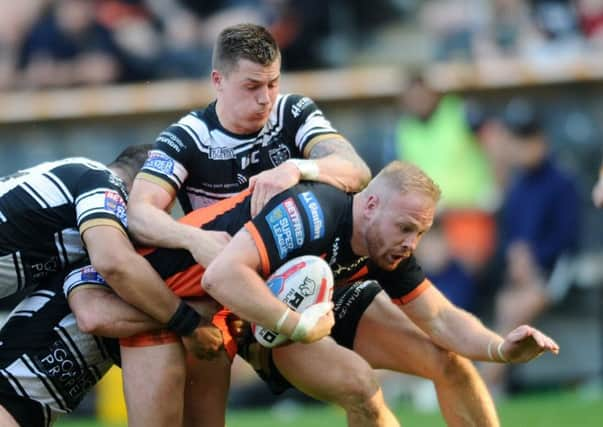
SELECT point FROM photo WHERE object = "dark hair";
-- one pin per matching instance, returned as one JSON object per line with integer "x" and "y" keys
{"x": 244, "y": 41}
{"x": 522, "y": 118}
{"x": 130, "y": 160}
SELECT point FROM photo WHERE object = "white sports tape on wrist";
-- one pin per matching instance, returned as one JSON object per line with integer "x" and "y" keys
{"x": 500, "y": 353}
{"x": 308, "y": 320}
{"x": 308, "y": 169}
{"x": 490, "y": 351}
{"x": 282, "y": 320}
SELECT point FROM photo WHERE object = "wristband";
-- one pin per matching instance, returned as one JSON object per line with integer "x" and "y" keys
{"x": 490, "y": 351}
{"x": 308, "y": 169}
{"x": 281, "y": 321}
{"x": 184, "y": 320}
{"x": 308, "y": 320}
{"x": 500, "y": 353}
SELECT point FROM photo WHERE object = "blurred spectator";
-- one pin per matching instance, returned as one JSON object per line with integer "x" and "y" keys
{"x": 558, "y": 32}
{"x": 136, "y": 36}
{"x": 492, "y": 136}
{"x": 296, "y": 26}
{"x": 597, "y": 192}
{"x": 453, "y": 25}
{"x": 539, "y": 224}
{"x": 590, "y": 14}
{"x": 15, "y": 19}
{"x": 435, "y": 133}
{"x": 67, "y": 46}
{"x": 445, "y": 270}
{"x": 507, "y": 28}
{"x": 556, "y": 19}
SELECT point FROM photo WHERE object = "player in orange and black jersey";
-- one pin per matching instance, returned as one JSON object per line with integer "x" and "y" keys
{"x": 368, "y": 235}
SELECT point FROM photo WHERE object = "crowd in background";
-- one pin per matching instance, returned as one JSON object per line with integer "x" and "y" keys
{"x": 58, "y": 43}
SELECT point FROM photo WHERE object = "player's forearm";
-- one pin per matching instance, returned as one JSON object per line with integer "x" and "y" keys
{"x": 342, "y": 173}
{"x": 152, "y": 226}
{"x": 339, "y": 165}
{"x": 244, "y": 292}
{"x": 463, "y": 333}
{"x": 138, "y": 284}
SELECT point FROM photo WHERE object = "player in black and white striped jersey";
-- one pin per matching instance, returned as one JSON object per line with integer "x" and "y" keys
{"x": 57, "y": 213}
{"x": 45, "y": 209}
{"x": 47, "y": 364}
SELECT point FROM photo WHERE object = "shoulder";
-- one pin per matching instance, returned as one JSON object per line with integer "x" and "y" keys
{"x": 295, "y": 106}
{"x": 74, "y": 167}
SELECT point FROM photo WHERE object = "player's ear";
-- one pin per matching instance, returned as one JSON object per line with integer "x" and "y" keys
{"x": 216, "y": 79}
{"x": 371, "y": 205}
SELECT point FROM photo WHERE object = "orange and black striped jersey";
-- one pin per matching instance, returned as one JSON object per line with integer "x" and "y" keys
{"x": 308, "y": 219}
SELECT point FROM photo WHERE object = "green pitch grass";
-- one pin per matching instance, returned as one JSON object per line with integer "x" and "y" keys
{"x": 536, "y": 410}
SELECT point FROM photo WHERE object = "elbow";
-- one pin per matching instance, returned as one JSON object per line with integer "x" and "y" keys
{"x": 210, "y": 282}
{"x": 88, "y": 321}
{"x": 364, "y": 177}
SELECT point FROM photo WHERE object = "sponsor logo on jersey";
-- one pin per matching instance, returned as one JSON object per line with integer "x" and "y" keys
{"x": 159, "y": 162}
{"x": 299, "y": 106}
{"x": 172, "y": 140}
{"x": 287, "y": 228}
{"x": 252, "y": 158}
{"x": 62, "y": 367}
{"x": 90, "y": 275}
{"x": 221, "y": 153}
{"x": 116, "y": 205}
{"x": 279, "y": 154}
{"x": 315, "y": 214}
{"x": 117, "y": 181}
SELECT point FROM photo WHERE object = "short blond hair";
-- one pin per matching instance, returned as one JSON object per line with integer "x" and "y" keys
{"x": 404, "y": 177}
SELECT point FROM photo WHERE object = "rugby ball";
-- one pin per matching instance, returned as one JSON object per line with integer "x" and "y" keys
{"x": 299, "y": 283}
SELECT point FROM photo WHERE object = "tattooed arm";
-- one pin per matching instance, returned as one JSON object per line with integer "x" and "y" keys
{"x": 333, "y": 161}
{"x": 339, "y": 164}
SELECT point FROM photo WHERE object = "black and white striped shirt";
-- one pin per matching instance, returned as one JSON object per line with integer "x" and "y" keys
{"x": 206, "y": 163}
{"x": 44, "y": 210}
{"x": 45, "y": 358}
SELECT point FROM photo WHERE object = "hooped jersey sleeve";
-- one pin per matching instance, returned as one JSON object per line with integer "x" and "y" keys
{"x": 167, "y": 163}
{"x": 299, "y": 221}
{"x": 100, "y": 199}
{"x": 308, "y": 122}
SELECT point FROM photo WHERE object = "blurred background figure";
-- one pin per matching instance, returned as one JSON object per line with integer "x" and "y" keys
{"x": 68, "y": 46}
{"x": 539, "y": 225}
{"x": 444, "y": 269}
{"x": 597, "y": 193}
{"x": 438, "y": 132}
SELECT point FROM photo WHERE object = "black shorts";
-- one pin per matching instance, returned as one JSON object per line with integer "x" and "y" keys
{"x": 351, "y": 301}
{"x": 27, "y": 412}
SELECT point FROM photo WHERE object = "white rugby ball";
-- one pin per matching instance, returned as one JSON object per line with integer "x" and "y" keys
{"x": 300, "y": 283}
